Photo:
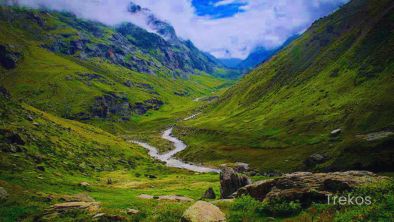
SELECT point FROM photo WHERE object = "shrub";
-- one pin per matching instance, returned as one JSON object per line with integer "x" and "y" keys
{"x": 280, "y": 208}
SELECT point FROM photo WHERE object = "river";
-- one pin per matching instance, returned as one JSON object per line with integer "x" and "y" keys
{"x": 168, "y": 157}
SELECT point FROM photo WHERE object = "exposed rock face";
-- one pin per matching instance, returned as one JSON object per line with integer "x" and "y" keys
{"x": 113, "y": 104}
{"x": 203, "y": 211}
{"x": 8, "y": 58}
{"x": 230, "y": 181}
{"x": 209, "y": 194}
{"x": 11, "y": 137}
{"x": 307, "y": 187}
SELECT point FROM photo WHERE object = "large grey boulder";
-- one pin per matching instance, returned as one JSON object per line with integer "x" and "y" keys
{"x": 230, "y": 181}
{"x": 307, "y": 187}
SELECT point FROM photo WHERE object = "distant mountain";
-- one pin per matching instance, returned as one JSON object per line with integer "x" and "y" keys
{"x": 261, "y": 54}
{"x": 324, "y": 102}
{"x": 231, "y": 62}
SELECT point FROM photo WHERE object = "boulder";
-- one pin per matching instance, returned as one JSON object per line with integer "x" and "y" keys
{"x": 241, "y": 167}
{"x": 3, "y": 194}
{"x": 230, "y": 181}
{"x": 307, "y": 187}
{"x": 88, "y": 206}
{"x": 335, "y": 132}
{"x": 145, "y": 196}
{"x": 175, "y": 198}
{"x": 203, "y": 211}
{"x": 84, "y": 184}
{"x": 209, "y": 194}
{"x": 132, "y": 211}
{"x": 314, "y": 159}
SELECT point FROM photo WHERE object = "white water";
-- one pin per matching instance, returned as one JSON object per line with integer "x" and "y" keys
{"x": 168, "y": 156}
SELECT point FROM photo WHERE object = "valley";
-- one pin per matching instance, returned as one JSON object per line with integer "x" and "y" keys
{"x": 122, "y": 123}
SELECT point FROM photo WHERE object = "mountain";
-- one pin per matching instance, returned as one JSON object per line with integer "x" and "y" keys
{"x": 324, "y": 102}
{"x": 260, "y": 55}
{"x": 230, "y": 62}
{"x": 125, "y": 73}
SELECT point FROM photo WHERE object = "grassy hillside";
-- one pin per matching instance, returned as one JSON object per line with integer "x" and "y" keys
{"x": 337, "y": 75}
{"x": 44, "y": 158}
{"x": 50, "y": 70}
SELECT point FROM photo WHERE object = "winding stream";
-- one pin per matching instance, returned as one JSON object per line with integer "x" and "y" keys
{"x": 168, "y": 157}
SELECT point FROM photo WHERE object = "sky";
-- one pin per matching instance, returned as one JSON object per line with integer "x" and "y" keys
{"x": 224, "y": 28}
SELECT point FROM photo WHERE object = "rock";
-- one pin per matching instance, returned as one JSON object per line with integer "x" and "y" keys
{"x": 145, "y": 196}
{"x": 12, "y": 137}
{"x": 307, "y": 187}
{"x": 166, "y": 197}
{"x": 98, "y": 215}
{"x": 82, "y": 197}
{"x": 109, "y": 181}
{"x": 209, "y": 194}
{"x": 132, "y": 211}
{"x": 241, "y": 167}
{"x": 8, "y": 58}
{"x": 314, "y": 159}
{"x": 128, "y": 83}
{"x": 175, "y": 198}
{"x": 40, "y": 168}
{"x": 151, "y": 176}
{"x": 84, "y": 184}
{"x": 89, "y": 206}
{"x": 203, "y": 211}
{"x": 231, "y": 182}
{"x": 376, "y": 135}
{"x": 4, "y": 93}
{"x": 113, "y": 218}
{"x": 336, "y": 132}
{"x": 3, "y": 194}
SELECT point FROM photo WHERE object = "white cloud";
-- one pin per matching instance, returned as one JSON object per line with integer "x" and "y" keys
{"x": 266, "y": 23}
{"x": 226, "y": 2}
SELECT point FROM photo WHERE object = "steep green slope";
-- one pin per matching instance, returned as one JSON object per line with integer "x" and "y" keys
{"x": 44, "y": 158}
{"x": 64, "y": 65}
{"x": 337, "y": 75}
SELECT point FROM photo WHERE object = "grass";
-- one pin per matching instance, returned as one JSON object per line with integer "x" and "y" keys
{"x": 284, "y": 110}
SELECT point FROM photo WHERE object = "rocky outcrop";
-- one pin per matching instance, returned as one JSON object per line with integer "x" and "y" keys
{"x": 230, "y": 181}
{"x": 209, "y": 194}
{"x": 8, "y": 57}
{"x": 116, "y": 105}
{"x": 307, "y": 187}
{"x": 203, "y": 211}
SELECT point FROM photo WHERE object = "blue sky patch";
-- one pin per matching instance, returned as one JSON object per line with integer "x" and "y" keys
{"x": 209, "y": 8}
